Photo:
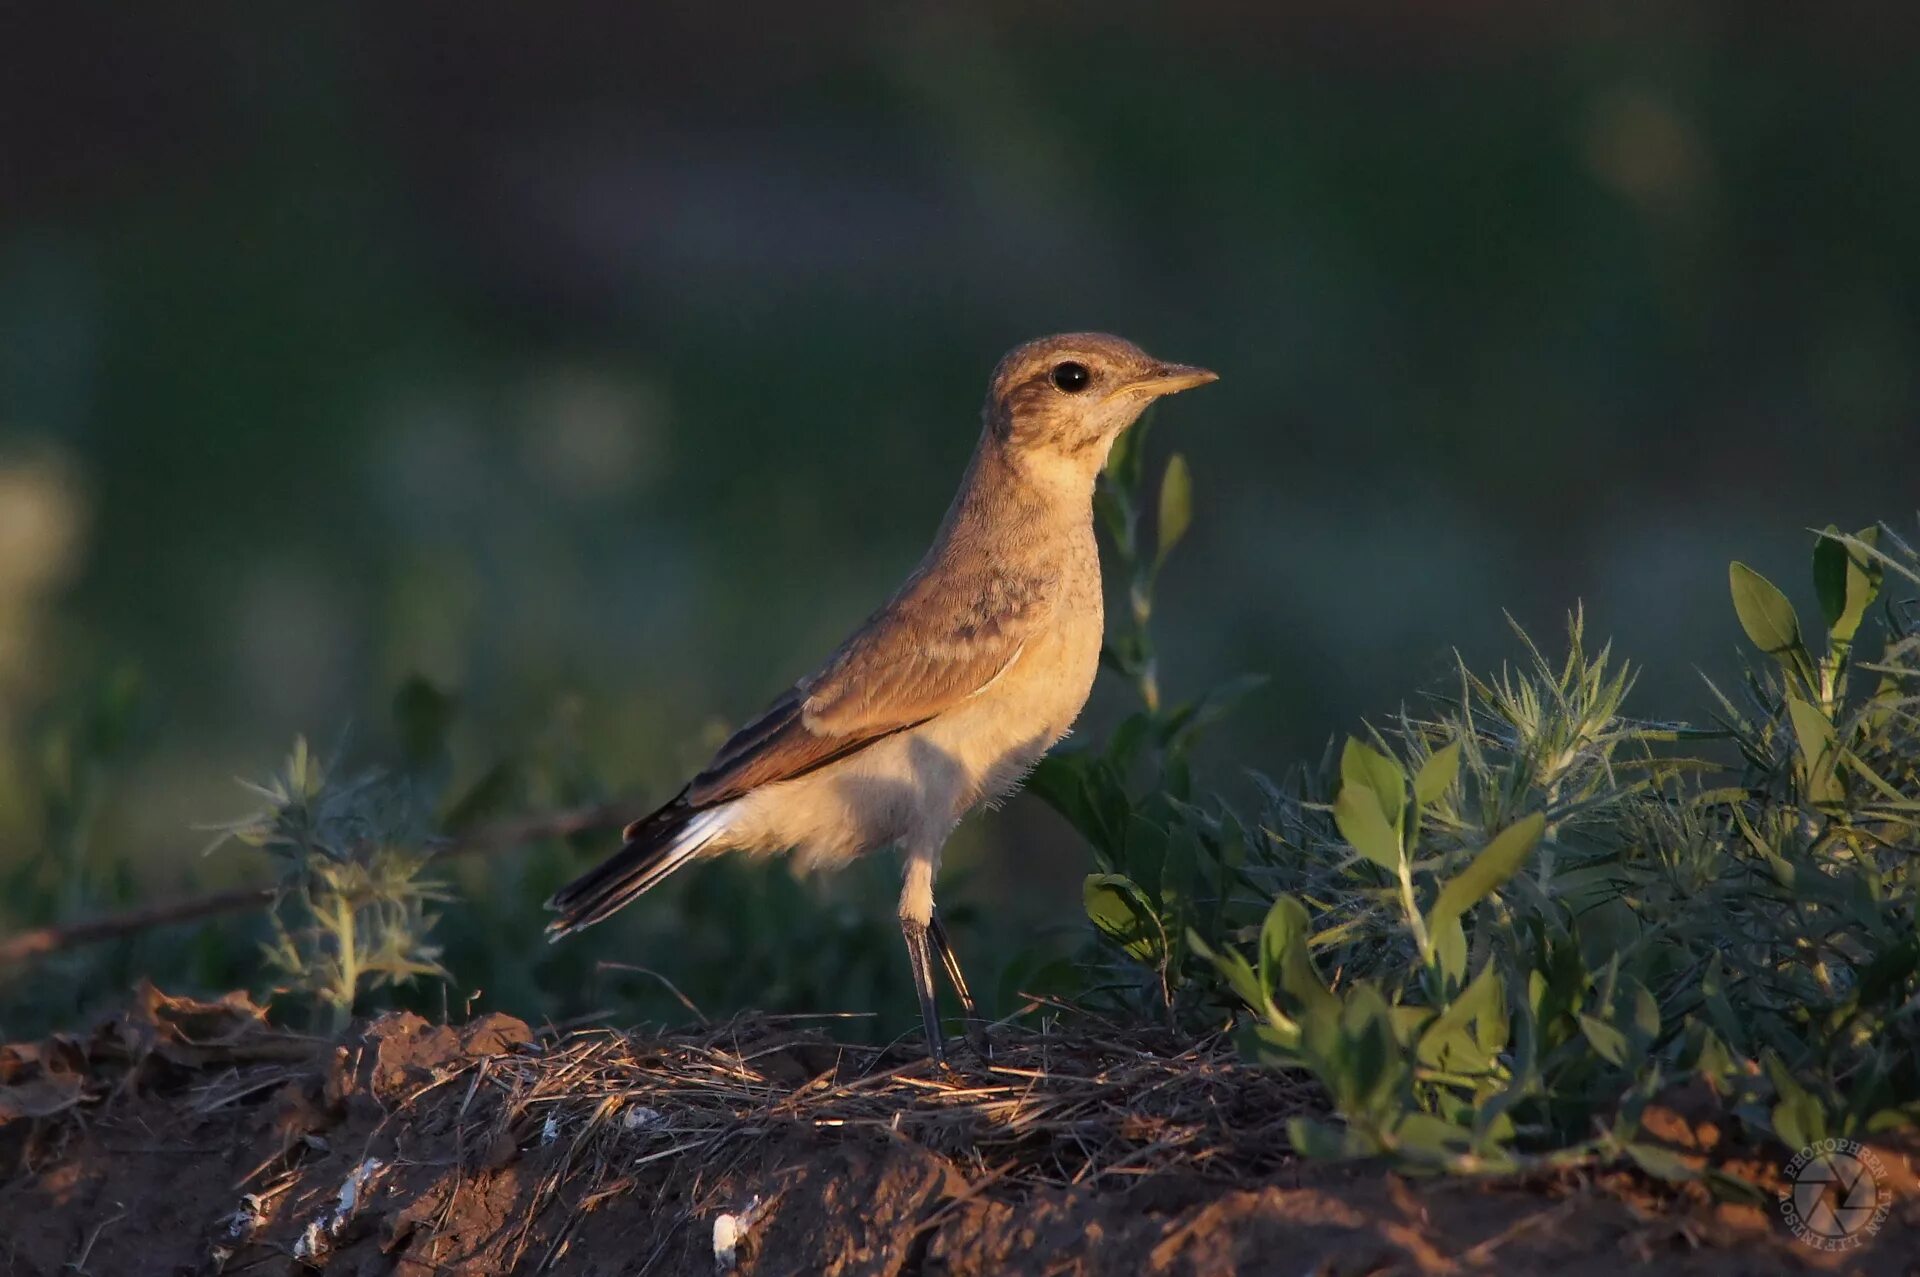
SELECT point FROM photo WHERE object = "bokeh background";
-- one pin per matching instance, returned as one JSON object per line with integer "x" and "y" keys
{"x": 603, "y": 364}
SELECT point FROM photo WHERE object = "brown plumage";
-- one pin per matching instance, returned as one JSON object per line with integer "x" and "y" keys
{"x": 950, "y": 692}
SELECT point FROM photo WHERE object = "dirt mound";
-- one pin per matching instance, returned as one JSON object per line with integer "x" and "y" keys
{"x": 194, "y": 1138}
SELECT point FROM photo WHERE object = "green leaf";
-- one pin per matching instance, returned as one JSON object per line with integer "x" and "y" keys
{"x": 1134, "y": 731}
{"x": 1317, "y": 1139}
{"x": 1374, "y": 1063}
{"x": 1646, "y": 1013}
{"x": 1607, "y": 1041}
{"x": 1446, "y": 1042}
{"x": 1120, "y": 910}
{"x": 1491, "y": 868}
{"x": 1218, "y": 701}
{"x": 1234, "y": 969}
{"x": 1111, "y": 509}
{"x": 1127, "y": 458}
{"x": 1661, "y": 1163}
{"x": 1449, "y": 941}
{"x": 1819, "y": 749}
{"x": 1143, "y": 857}
{"x": 1769, "y": 620}
{"x": 1176, "y": 505}
{"x": 1356, "y": 811}
{"x": 1728, "y": 1187}
{"x": 1720, "y": 1013}
{"x": 1430, "y": 1138}
{"x": 1286, "y": 967}
{"x": 1714, "y": 1062}
{"x": 1064, "y": 781}
{"x": 1830, "y": 575}
{"x": 1765, "y": 613}
{"x": 1436, "y": 775}
{"x": 1274, "y": 1044}
{"x": 1846, "y": 579}
{"x": 1798, "y": 1118}
{"x": 1888, "y": 972}
{"x": 1362, "y": 765}
{"x": 1285, "y": 926}
{"x": 1887, "y": 1120}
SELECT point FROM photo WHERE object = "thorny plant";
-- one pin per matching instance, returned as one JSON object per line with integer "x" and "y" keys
{"x": 352, "y": 907}
{"x": 1495, "y": 932}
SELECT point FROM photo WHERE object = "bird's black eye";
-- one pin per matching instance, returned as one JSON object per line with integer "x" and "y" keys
{"x": 1071, "y": 377}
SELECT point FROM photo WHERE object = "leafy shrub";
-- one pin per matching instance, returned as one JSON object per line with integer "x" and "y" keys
{"x": 1495, "y": 931}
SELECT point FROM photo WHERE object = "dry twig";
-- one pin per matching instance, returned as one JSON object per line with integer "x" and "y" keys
{"x": 502, "y": 836}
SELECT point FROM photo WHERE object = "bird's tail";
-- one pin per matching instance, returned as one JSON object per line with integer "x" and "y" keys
{"x": 654, "y": 848}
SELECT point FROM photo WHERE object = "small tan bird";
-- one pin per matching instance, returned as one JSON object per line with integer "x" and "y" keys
{"x": 948, "y": 694}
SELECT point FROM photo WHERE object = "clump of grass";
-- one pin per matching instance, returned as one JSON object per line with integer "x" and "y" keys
{"x": 1495, "y": 930}
{"x": 353, "y": 900}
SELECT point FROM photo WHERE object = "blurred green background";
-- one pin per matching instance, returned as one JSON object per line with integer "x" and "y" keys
{"x": 603, "y": 365}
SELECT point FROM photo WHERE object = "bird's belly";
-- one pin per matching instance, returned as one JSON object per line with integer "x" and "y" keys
{"x": 913, "y": 787}
{"x": 998, "y": 736}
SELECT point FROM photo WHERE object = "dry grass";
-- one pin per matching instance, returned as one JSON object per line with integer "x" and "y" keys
{"x": 1050, "y": 1109}
{"x": 486, "y": 1148}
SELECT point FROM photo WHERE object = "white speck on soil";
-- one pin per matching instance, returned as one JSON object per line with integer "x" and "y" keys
{"x": 729, "y": 1230}
{"x": 642, "y": 1118}
{"x": 317, "y": 1238}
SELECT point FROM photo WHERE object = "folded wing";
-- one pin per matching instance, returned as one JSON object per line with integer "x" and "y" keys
{"x": 919, "y": 656}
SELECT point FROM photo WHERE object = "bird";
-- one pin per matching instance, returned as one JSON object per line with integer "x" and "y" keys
{"x": 949, "y": 693}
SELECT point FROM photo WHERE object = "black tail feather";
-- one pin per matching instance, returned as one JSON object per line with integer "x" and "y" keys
{"x": 654, "y": 848}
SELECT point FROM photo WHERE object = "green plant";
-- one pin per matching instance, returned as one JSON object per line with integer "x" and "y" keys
{"x": 79, "y": 740}
{"x": 351, "y": 910}
{"x": 1444, "y": 899}
{"x": 53, "y": 794}
{"x": 1130, "y": 799}
{"x": 1493, "y": 933}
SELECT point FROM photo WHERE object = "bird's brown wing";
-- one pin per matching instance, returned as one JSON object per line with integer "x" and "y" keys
{"x": 930, "y": 648}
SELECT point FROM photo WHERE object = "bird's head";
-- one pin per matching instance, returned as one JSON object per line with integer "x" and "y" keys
{"x": 1065, "y": 399}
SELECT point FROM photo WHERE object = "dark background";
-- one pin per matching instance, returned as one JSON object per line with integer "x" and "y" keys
{"x": 604, "y": 364}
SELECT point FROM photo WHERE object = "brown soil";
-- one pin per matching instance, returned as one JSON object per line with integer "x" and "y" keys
{"x": 192, "y": 1138}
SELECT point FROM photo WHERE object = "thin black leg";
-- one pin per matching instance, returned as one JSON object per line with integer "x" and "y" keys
{"x": 921, "y": 959}
{"x": 976, "y": 1035}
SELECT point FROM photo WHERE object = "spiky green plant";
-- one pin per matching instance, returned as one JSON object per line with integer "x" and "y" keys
{"x": 352, "y": 905}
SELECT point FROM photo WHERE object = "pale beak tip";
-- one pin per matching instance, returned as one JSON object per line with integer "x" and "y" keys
{"x": 1168, "y": 379}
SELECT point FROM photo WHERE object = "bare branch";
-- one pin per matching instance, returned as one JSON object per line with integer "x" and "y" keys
{"x": 503, "y": 835}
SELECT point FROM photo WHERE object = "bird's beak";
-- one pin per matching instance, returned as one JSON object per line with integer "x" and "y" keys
{"x": 1171, "y": 379}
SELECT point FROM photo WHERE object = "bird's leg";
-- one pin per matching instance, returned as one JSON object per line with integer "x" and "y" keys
{"x": 921, "y": 959}
{"x": 976, "y": 1035}
{"x": 916, "y": 919}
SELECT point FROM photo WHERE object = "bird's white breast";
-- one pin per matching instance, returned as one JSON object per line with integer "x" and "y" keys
{"x": 913, "y": 787}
